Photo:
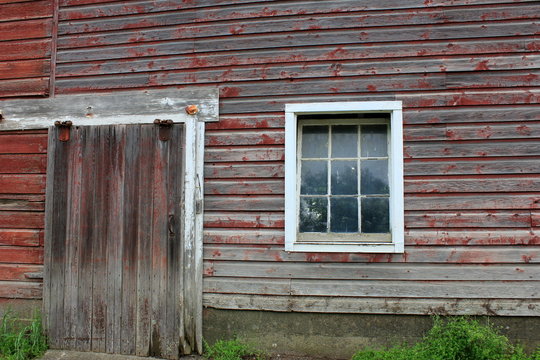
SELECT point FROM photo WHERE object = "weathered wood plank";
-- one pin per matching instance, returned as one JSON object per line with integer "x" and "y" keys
{"x": 28, "y": 184}
{"x": 110, "y": 108}
{"x": 21, "y": 220}
{"x": 417, "y": 272}
{"x": 452, "y": 237}
{"x": 264, "y": 187}
{"x": 303, "y": 38}
{"x": 29, "y": 29}
{"x": 413, "y": 306}
{"x": 410, "y": 100}
{"x": 24, "y": 68}
{"x": 232, "y": 153}
{"x": 245, "y": 170}
{"x": 20, "y": 237}
{"x": 184, "y": 28}
{"x": 472, "y": 167}
{"x": 21, "y": 202}
{"x": 303, "y": 54}
{"x": 535, "y": 218}
{"x": 468, "y": 219}
{"x": 413, "y": 254}
{"x": 24, "y": 87}
{"x": 418, "y": 150}
{"x": 245, "y": 137}
{"x": 474, "y": 185}
{"x": 510, "y": 237}
{"x": 21, "y": 255}
{"x": 372, "y": 288}
{"x": 17, "y": 272}
{"x": 241, "y": 236}
{"x": 22, "y": 144}
{"x": 471, "y": 115}
{"x": 23, "y": 164}
{"x": 256, "y": 121}
{"x": 518, "y": 130}
{"x": 483, "y": 201}
{"x": 26, "y": 10}
{"x": 230, "y": 13}
{"x": 20, "y": 290}
{"x": 25, "y": 49}
{"x": 244, "y": 203}
{"x": 243, "y": 219}
{"x": 192, "y": 4}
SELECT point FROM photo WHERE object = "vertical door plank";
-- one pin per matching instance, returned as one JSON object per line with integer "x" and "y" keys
{"x": 159, "y": 247}
{"x": 144, "y": 266}
{"x": 71, "y": 307}
{"x": 129, "y": 261}
{"x": 55, "y": 238}
{"x": 88, "y": 182}
{"x": 115, "y": 242}
{"x": 101, "y": 216}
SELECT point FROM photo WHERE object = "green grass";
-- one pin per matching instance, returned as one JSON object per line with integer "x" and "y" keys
{"x": 230, "y": 350}
{"x": 454, "y": 339}
{"x": 21, "y": 342}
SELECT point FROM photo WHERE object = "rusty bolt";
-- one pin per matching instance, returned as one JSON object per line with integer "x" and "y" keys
{"x": 68, "y": 123}
{"x": 192, "y": 109}
{"x": 169, "y": 122}
{"x": 157, "y": 121}
{"x": 1, "y": 116}
{"x": 57, "y": 123}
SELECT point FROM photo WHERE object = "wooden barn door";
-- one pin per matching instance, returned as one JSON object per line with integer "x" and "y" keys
{"x": 114, "y": 255}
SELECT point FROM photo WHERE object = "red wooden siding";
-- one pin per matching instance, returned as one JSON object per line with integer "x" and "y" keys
{"x": 22, "y": 196}
{"x": 467, "y": 73}
{"x": 26, "y": 29}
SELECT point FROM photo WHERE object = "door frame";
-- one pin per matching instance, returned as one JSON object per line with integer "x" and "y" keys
{"x": 193, "y": 107}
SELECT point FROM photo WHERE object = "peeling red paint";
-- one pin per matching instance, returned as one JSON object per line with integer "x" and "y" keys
{"x": 482, "y": 65}
{"x": 229, "y": 91}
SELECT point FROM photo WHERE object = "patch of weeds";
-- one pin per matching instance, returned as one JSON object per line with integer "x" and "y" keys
{"x": 20, "y": 342}
{"x": 230, "y": 350}
{"x": 454, "y": 339}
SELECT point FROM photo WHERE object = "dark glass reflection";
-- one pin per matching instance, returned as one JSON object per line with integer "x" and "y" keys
{"x": 344, "y": 214}
{"x": 373, "y": 141}
{"x": 314, "y": 177}
{"x": 375, "y": 215}
{"x": 313, "y": 214}
{"x": 344, "y": 177}
{"x": 344, "y": 141}
{"x": 315, "y": 141}
{"x": 374, "y": 177}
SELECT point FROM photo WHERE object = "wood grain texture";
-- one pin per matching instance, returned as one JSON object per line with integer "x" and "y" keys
{"x": 103, "y": 273}
{"x": 466, "y": 72}
{"x": 416, "y": 306}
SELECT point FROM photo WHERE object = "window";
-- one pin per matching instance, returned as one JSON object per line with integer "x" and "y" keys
{"x": 344, "y": 177}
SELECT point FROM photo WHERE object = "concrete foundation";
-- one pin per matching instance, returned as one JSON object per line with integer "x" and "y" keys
{"x": 339, "y": 335}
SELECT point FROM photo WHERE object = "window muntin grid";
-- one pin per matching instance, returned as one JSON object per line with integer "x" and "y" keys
{"x": 350, "y": 208}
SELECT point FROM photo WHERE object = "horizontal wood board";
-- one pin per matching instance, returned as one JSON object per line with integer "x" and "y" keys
{"x": 26, "y": 33}
{"x": 467, "y": 72}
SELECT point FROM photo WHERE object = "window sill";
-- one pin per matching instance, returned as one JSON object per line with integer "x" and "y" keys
{"x": 348, "y": 248}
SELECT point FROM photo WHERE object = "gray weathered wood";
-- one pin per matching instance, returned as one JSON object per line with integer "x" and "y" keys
{"x": 109, "y": 108}
{"x": 115, "y": 285}
{"x": 415, "y": 306}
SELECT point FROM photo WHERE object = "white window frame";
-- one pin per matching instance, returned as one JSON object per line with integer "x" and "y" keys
{"x": 394, "y": 109}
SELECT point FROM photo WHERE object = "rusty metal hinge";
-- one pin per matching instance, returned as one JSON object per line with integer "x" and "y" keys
{"x": 63, "y": 130}
{"x": 165, "y": 129}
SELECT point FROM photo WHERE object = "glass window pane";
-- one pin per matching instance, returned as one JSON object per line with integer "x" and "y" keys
{"x": 313, "y": 214}
{"x": 315, "y": 141}
{"x": 375, "y": 215}
{"x": 314, "y": 178}
{"x": 373, "y": 141}
{"x": 374, "y": 177}
{"x": 344, "y": 215}
{"x": 344, "y": 141}
{"x": 344, "y": 177}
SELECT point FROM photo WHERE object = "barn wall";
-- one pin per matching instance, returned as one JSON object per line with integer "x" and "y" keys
{"x": 26, "y": 35}
{"x": 467, "y": 73}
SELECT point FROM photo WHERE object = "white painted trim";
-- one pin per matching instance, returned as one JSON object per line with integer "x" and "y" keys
{"x": 193, "y": 226}
{"x": 394, "y": 108}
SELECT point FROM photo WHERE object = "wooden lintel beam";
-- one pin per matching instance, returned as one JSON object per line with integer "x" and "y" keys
{"x": 123, "y": 107}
